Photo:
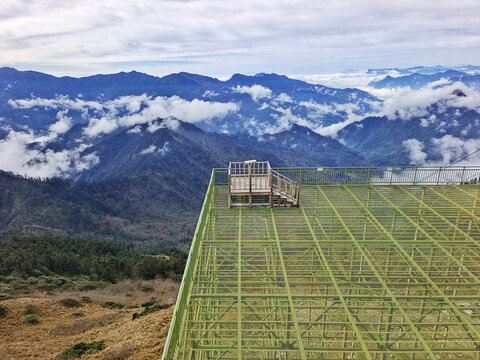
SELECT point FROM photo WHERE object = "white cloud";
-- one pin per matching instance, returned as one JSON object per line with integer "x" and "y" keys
{"x": 415, "y": 149}
{"x": 284, "y": 98}
{"x": 356, "y": 79}
{"x": 209, "y": 94}
{"x": 407, "y": 103}
{"x": 148, "y": 150}
{"x": 255, "y": 91}
{"x": 169, "y": 123}
{"x": 128, "y": 111}
{"x": 166, "y": 108}
{"x": 60, "y": 102}
{"x": 63, "y": 124}
{"x": 135, "y": 130}
{"x": 22, "y": 156}
{"x": 196, "y": 110}
{"x": 350, "y": 111}
{"x": 284, "y": 121}
{"x": 220, "y": 36}
{"x": 424, "y": 122}
{"x": 263, "y": 107}
{"x": 164, "y": 149}
{"x": 449, "y": 148}
{"x": 103, "y": 125}
{"x": 152, "y": 149}
{"x": 452, "y": 148}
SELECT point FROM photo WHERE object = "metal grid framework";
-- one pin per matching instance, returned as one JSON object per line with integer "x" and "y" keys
{"x": 356, "y": 272}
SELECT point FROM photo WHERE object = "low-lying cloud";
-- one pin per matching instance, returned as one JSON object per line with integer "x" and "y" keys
{"x": 257, "y": 92}
{"x": 445, "y": 150}
{"x": 406, "y": 103}
{"x": 27, "y": 153}
{"x": 153, "y": 149}
{"x": 127, "y": 111}
{"x": 23, "y": 154}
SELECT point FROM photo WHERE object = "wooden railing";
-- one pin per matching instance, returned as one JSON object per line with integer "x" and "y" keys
{"x": 285, "y": 185}
{"x": 240, "y": 175}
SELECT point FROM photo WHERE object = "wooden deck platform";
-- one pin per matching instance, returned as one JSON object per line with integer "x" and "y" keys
{"x": 257, "y": 179}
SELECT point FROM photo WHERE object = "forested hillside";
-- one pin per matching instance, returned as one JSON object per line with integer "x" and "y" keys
{"x": 56, "y": 261}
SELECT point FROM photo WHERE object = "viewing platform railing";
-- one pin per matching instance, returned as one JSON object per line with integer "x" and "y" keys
{"x": 393, "y": 175}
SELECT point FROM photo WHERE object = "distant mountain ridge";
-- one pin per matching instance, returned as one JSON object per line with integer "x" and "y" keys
{"x": 418, "y": 80}
{"x": 139, "y": 149}
{"x": 264, "y": 97}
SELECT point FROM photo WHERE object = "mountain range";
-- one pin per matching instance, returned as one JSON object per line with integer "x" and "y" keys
{"x": 128, "y": 156}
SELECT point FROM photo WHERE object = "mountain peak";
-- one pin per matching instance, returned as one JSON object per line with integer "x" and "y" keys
{"x": 185, "y": 78}
{"x": 458, "y": 93}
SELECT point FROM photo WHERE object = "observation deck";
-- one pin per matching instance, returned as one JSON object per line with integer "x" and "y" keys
{"x": 374, "y": 263}
{"x": 255, "y": 183}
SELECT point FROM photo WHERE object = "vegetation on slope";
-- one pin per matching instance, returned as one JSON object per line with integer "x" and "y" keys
{"x": 127, "y": 209}
{"x": 59, "y": 261}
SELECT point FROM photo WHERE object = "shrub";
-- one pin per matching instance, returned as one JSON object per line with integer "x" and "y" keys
{"x": 70, "y": 303}
{"x": 48, "y": 283}
{"x": 19, "y": 284}
{"x": 78, "y": 314}
{"x": 148, "y": 303}
{"x": 147, "y": 289}
{"x": 3, "y": 311}
{"x": 5, "y": 287}
{"x": 80, "y": 349}
{"x": 31, "y": 319}
{"x": 112, "y": 305}
{"x": 150, "y": 310}
{"x": 30, "y": 310}
{"x": 5, "y": 297}
{"x": 32, "y": 280}
{"x": 90, "y": 285}
{"x": 86, "y": 299}
{"x": 46, "y": 286}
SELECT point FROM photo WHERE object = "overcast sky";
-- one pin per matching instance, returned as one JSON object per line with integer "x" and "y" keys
{"x": 219, "y": 38}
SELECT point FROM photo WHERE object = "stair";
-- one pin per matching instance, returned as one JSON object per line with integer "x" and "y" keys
{"x": 283, "y": 199}
{"x": 285, "y": 191}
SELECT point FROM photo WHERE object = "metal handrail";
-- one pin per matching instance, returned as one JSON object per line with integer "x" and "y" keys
{"x": 180, "y": 306}
{"x": 375, "y": 175}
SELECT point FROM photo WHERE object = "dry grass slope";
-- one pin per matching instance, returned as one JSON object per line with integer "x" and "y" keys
{"x": 142, "y": 338}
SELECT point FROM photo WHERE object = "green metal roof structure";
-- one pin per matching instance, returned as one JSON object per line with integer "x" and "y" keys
{"x": 375, "y": 263}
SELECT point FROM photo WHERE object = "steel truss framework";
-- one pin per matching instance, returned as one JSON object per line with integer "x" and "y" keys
{"x": 356, "y": 272}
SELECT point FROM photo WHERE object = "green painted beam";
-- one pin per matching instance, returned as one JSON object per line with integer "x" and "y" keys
{"x": 373, "y": 268}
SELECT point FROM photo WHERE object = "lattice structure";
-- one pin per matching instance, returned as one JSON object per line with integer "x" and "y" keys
{"x": 355, "y": 272}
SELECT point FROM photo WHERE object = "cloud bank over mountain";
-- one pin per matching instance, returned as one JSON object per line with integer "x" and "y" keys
{"x": 51, "y": 132}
